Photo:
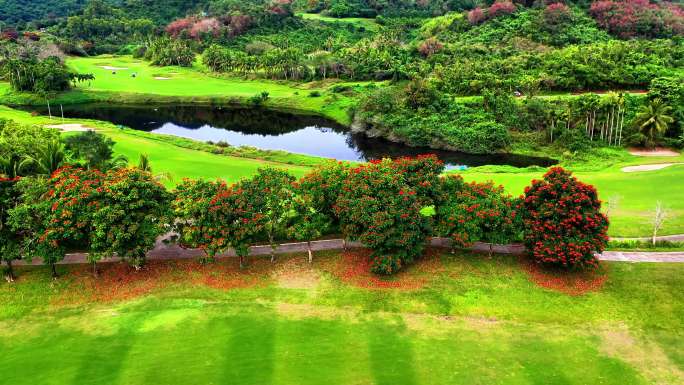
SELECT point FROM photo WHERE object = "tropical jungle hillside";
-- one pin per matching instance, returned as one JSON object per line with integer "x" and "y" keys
{"x": 477, "y": 77}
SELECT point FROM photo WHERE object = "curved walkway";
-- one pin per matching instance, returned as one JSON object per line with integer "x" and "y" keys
{"x": 167, "y": 252}
{"x": 670, "y": 238}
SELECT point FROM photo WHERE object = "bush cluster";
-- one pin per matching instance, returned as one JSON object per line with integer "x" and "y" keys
{"x": 564, "y": 225}
{"x": 391, "y": 206}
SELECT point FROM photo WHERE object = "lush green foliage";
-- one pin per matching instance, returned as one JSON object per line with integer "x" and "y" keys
{"x": 477, "y": 212}
{"x": 93, "y": 150}
{"x": 198, "y": 226}
{"x": 564, "y": 225}
{"x": 10, "y": 241}
{"x": 132, "y": 210}
{"x": 168, "y": 52}
{"x": 20, "y": 142}
{"x": 381, "y": 204}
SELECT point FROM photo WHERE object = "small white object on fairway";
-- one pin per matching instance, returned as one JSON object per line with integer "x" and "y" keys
{"x": 71, "y": 127}
{"x": 648, "y": 167}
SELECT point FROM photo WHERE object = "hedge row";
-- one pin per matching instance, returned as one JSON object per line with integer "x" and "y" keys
{"x": 392, "y": 206}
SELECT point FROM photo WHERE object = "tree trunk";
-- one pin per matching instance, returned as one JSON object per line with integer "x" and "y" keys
{"x": 273, "y": 248}
{"x": 344, "y": 244}
{"x": 308, "y": 245}
{"x": 54, "y": 271}
{"x": 9, "y": 276}
{"x": 491, "y": 249}
{"x": 242, "y": 262}
{"x": 95, "y": 272}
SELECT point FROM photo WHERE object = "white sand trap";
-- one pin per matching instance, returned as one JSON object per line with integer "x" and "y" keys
{"x": 161, "y": 78}
{"x": 110, "y": 68}
{"x": 656, "y": 152}
{"x": 71, "y": 127}
{"x": 648, "y": 167}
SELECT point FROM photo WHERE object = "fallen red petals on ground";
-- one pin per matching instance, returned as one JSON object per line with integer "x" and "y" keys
{"x": 119, "y": 281}
{"x": 571, "y": 283}
{"x": 354, "y": 269}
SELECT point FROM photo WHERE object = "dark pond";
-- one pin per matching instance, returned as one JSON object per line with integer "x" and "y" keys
{"x": 274, "y": 130}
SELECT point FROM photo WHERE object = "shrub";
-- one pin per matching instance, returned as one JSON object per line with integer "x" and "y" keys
{"x": 500, "y": 8}
{"x": 260, "y": 99}
{"x": 476, "y": 16}
{"x": 132, "y": 210}
{"x": 381, "y": 204}
{"x": 563, "y": 222}
{"x": 478, "y": 212}
{"x": 197, "y": 225}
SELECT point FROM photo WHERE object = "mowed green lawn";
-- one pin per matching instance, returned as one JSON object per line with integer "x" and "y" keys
{"x": 459, "y": 320}
{"x": 197, "y": 82}
{"x": 367, "y": 23}
{"x": 635, "y": 195}
{"x": 165, "y": 157}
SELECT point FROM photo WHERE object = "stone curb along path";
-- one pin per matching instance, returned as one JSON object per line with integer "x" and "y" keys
{"x": 165, "y": 251}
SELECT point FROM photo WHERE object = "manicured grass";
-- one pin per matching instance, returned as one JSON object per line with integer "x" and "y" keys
{"x": 636, "y": 194}
{"x": 166, "y": 157}
{"x": 367, "y": 23}
{"x": 470, "y": 320}
{"x": 186, "y": 85}
{"x": 197, "y": 82}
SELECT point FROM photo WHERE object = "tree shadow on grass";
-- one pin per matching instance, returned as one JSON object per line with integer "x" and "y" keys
{"x": 102, "y": 357}
{"x": 249, "y": 351}
{"x": 391, "y": 353}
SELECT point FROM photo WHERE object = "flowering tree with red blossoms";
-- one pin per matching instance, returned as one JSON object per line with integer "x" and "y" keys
{"x": 478, "y": 212}
{"x": 381, "y": 205}
{"x": 131, "y": 211}
{"x": 197, "y": 222}
{"x": 564, "y": 225}
{"x": 56, "y": 214}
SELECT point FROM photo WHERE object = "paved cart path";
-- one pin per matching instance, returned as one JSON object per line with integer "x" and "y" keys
{"x": 165, "y": 251}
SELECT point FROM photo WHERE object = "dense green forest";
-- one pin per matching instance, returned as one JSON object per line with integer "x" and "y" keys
{"x": 428, "y": 54}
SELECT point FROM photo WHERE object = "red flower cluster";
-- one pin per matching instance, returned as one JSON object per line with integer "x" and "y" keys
{"x": 564, "y": 225}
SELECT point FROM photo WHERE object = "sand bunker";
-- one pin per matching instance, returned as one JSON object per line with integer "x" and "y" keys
{"x": 71, "y": 127}
{"x": 110, "y": 68}
{"x": 656, "y": 152}
{"x": 161, "y": 78}
{"x": 648, "y": 167}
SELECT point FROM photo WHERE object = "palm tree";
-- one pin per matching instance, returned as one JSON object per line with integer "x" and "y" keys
{"x": 145, "y": 165}
{"x": 48, "y": 158}
{"x": 10, "y": 166}
{"x": 653, "y": 119}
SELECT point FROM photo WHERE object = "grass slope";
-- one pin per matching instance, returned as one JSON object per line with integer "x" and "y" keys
{"x": 474, "y": 321}
{"x": 367, "y": 23}
{"x": 179, "y": 162}
{"x": 197, "y": 85}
